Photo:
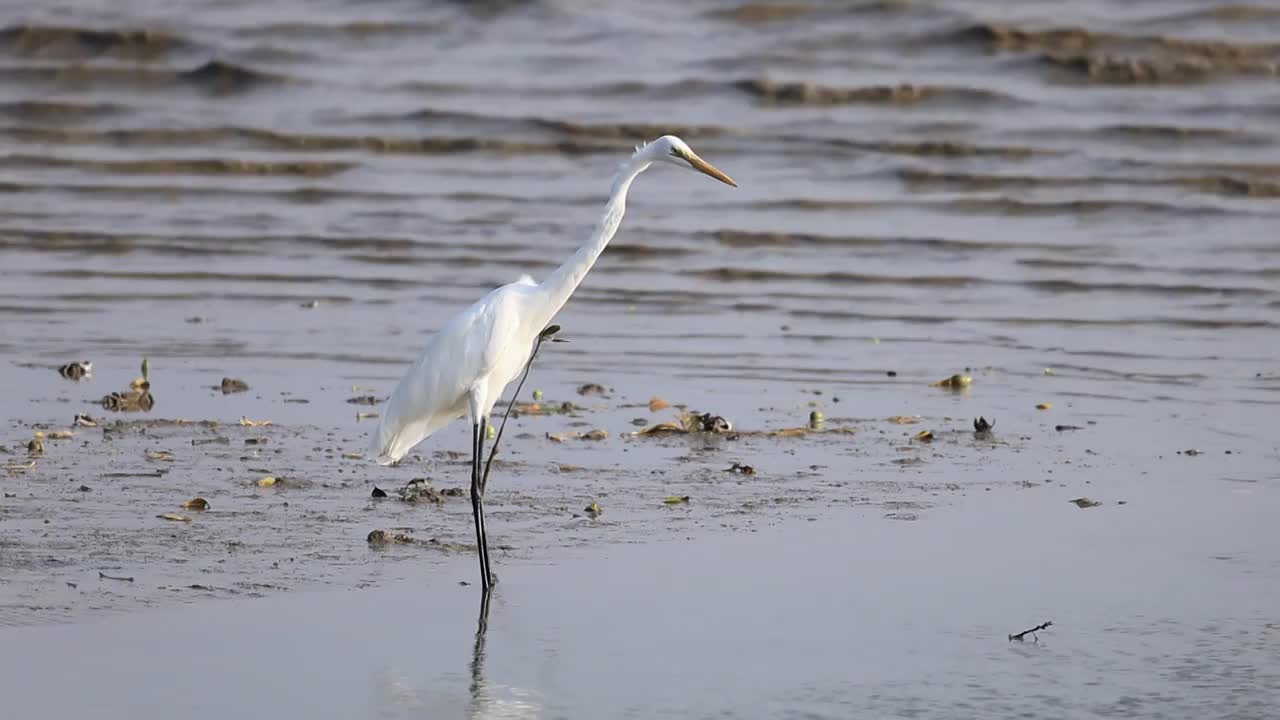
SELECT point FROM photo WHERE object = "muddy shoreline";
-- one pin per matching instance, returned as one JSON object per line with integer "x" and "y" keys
{"x": 290, "y": 504}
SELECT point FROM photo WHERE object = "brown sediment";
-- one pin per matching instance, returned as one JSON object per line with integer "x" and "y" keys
{"x": 1015, "y": 207}
{"x": 358, "y": 29}
{"x": 301, "y": 196}
{"x": 1137, "y": 70}
{"x": 77, "y": 43}
{"x": 1232, "y": 186}
{"x": 945, "y": 148}
{"x": 223, "y": 77}
{"x": 1132, "y": 267}
{"x": 733, "y": 274}
{"x": 817, "y": 204}
{"x": 1002, "y": 37}
{"x": 1033, "y": 321}
{"x": 1234, "y": 12}
{"x": 976, "y": 181}
{"x": 185, "y": 166}
{"x": 198, "y": 276}
{"x": 1183, "y": 133}
{"x": 1112, "y": 58}
{"x": 755, "y": 13}
{"x": 1217, "y": 184}
{"x": 308, "y": 142}
{"x": 629, "y": 131}
{"x": 58, "y": 110}
{"x": 216, "y": 77}
{"x": 748, "y": 239}
{"x": 1263, "y": 170}
{"x": 997, "y": 36}
{"x": 1002, "y": 205}
{"x": 807, "y": 93}
{"x": 941, "y": 148}
{"x": 91, "y": 241}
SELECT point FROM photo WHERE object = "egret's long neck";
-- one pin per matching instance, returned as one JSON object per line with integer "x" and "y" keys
{"x": 560, "y": 284}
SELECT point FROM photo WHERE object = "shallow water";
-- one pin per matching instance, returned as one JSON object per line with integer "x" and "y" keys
{"x": 831, "y": 618}
{"x": 394, "y": 161}
{"x": 295, "y": 194}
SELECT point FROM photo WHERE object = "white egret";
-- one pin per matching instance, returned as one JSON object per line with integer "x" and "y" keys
{"x": 469, "y": 361}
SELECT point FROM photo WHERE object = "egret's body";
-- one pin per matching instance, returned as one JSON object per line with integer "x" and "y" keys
{"x": 463, "y": 369}
{"x": 469, "y": 361}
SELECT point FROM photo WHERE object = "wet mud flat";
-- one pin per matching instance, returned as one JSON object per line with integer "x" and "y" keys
{"x": 140, "y": 510}
{"x": 137, "y": 511}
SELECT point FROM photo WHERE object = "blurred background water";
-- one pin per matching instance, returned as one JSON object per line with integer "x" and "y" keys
{"x": 1091, "y": 185}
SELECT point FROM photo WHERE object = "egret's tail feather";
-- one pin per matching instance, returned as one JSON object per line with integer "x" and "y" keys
{"x": 394, "y": 438}
{"x": 387, "y": 450}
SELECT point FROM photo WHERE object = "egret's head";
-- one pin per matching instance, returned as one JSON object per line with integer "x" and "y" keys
{"x": 672, "y": 149}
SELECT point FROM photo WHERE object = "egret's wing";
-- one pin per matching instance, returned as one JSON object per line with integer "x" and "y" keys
{"x": 426, "y": 399}
{"x": 482, "y": 341}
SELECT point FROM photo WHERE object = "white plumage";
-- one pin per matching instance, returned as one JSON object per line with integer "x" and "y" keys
{"x": 468, "y": 362}
{"x": 463, "y": 369}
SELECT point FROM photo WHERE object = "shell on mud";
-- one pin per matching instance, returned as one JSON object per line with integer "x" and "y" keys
{"x": 77, "y": 370}
{"x": 955, "y": 382}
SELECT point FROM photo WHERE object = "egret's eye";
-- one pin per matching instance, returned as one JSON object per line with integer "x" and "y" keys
{"x": 675, "y": 152}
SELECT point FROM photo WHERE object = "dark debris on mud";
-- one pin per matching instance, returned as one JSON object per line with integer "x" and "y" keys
{"x": 176, "y": 503}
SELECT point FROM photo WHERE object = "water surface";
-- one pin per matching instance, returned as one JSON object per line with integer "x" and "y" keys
{"x": 831, "y": 618}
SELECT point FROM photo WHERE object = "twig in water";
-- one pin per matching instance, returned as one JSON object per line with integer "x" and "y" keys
{"x": 1032, "y": 632}
{"x": 104, "y": 576}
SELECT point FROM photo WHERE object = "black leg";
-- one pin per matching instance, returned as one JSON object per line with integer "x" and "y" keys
{"x": 484, "y": 533}
{"x": 477, "y": 510}
{"x": 484, "y": 478}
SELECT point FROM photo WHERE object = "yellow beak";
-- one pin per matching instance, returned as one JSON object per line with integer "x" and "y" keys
{"x": 707, "y": 168}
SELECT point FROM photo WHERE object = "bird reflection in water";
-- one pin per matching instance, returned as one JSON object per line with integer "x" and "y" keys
{"x": 477, "y": 657}
{"x": 484, "y": 701}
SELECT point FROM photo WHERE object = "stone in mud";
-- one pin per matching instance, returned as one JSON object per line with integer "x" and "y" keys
{"x": 589, "y": 435}
{"x": 386, "y": 537}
